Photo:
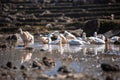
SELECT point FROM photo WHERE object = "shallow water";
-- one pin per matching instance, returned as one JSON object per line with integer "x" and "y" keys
{"x": 79, "y": 59}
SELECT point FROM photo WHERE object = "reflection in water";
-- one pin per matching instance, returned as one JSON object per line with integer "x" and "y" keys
{"x": 82, "y": 58}
{"x": 112, "y": 49}
{"x": 50, "y": 48}
{"x": 26, "y": 57}
{"x": 63, "y": 48}
{"x": 85, "y": 49}
{"x": 66, "y": 48}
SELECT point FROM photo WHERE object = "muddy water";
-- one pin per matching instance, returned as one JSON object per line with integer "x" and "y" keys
{"x": 79, "y": 59}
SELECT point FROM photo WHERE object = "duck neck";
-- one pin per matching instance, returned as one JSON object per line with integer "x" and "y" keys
{"x": 63, "y": 39}
{"x": 60, "y": 40}
{"x": 84, "y": 36}
{"x": 95, "y": 34}
{"x": 49, "y": 40}
{"x": 21, "y": 31}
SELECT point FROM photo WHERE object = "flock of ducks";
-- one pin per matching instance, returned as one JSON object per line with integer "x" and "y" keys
{"x": 66, "y": 38}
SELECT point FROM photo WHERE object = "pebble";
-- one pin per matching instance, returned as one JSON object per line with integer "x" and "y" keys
{"x": 63, "y": 69}
{"x": 36, "y": 64}
{"x": 59, "y": 76}
{"x": 48, "y": 61}
{"x": 109, "y": 78}
{"x": 9, "y": 64}
{"x": 29, "y": 48}
{"x": 23, "y": 67}
{"x": 117, "y": 42}
{"x": 3, "y": 46}
{"x": 42, "y": 50}
{"x": 109, "y": 67}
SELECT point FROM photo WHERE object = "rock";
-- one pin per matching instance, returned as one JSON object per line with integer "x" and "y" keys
{"x": 109, "y": 78}
{"x": 14, "y": 67}
{"x": 44, "y": 77}
{"x": 29, "y": 48}
{"x": 1, "y": 35}
{"x": 70, "y": 76}
{"x": 9, "y": 64}
{"x": 48, "y": 62}
{"x": 23, "y": 67}
{"x": 61, "y": 77}
{"x": 25, "y": 75}
{"x": 109, "y": 67}
{"x": 4, "y": 67}
{"x": 117, "y": 42}
{"x": 91, "y": 27}
{"x": 42, "y": 50}
{"x": 36, "y": 64}
{"x": 64, "y": 70}
{"x": 12, "y": 37}
{"x": 3, "y": 46}
{"x": 81, "y": 76}
{"x": 4, "y": 74}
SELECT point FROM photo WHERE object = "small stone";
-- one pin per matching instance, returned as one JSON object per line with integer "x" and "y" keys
{"x": 109, "y": 78}
{"x": 48, "y": 61}
{"x": 63, "y": 69}
{"x": 3, "y": 74}
{"x": 9, "y": 64}
{"x": 42, "y": 50}
{"x": 70, "y": 75}
{"x": 3, "y": 46}
{"x": 36, "y": 64}
{"x": 22, "y": 67}
{"x": 59, "y": 76}
{"x": 4, "y": 67}
{"x": 43, "y": 77}
{"x": 109, "y": 67}
{"x": 29, "y": 48}
{"x": 14, "y": 67}
{"x": 25, "y": 74}
{"x": 80, "y": 75}
{"x": 117, "y": 42}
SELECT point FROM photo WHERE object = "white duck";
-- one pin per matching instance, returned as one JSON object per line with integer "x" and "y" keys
{"x": 54, "y": 38}
{"x": 51, "y": 38}
{"x": 96, "y": 40}
{"x": 63, "y": 38}
{"x": 84, "y": 36}
{"x": 26, "y": 57}
{"x": 69, "y": 36}
{"x": 114, "y": 39}
{"x": 85, "y": 39}
{"x": 44, "y": 39}
{"x": 72, "y": 40}
{"x": 26, "y": 37}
